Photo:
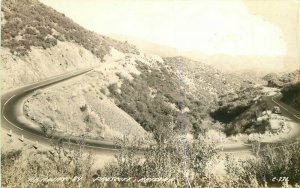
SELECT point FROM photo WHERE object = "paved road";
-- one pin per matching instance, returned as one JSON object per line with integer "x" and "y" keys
{"x": 11, "y": 111}
{"x": 286, "y": 110}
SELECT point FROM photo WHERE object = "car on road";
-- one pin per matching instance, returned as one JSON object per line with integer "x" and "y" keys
{"x": 276, "y": 110}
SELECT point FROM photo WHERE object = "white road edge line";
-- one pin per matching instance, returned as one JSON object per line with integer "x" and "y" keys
{"x": 296, "y": 116}
{"x": 284, "y": 108}
{"x": 88, "y": 146}
{"x": 5, "y": 117}
{"x": 72, "y": 74}
{"x": 53, "y": 79}
{"x": 280, "y": 105}
{"x": 12, "y": 123}
{"x": 7, "y": 102}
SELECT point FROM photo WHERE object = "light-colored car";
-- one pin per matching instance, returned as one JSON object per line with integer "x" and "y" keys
{"x": 276, "y": 110}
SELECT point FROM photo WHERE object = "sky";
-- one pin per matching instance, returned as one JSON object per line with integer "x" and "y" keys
{"x": 233, "y": 27}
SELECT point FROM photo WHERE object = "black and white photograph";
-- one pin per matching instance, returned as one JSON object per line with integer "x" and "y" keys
{"x": 150, "y": 93}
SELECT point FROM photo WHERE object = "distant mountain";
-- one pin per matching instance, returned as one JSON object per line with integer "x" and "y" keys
{"x": 254, "y": 65}
{"x": 148, "y": 46}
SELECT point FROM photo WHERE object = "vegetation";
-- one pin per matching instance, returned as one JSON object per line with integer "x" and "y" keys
{"x": 23, "y": 168}
{"x": 291, "y": 95}
{"x": 191, "y": 164}
{"x": 274, "y": 166}
{"x": 182, "y": 163}
{"x": 280, "y": 80}
{"x": 153, "y": 100}
{"x": 227, "y": 114}
{"x": 277, "y": 162}
{"x": 186, "y": 163}
{"x": 247, "y": 122}
{"x": 231, "y": 105}
{"x": 30, "y": 23}
{"x": 240, "y": 110}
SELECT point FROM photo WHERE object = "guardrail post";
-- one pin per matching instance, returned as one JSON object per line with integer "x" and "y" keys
{"x": 35, "y": 145}
{"x": 9, "y": 133}
{"x": 22, "y": 138}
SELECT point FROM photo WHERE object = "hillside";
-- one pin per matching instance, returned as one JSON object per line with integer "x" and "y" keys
{"x": 179, "y": 90}
{"x": 291, "y": 95}
{"x": 80, "y": 106}
{"x": 127, "y": 93}
{"x": 42, "y": 42}
{"x": 281, "y": 79}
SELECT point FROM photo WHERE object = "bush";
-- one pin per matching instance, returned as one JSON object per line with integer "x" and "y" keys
{"x": 247, "y": 122}
{"x": 113, "y": 89}
{"x": 276, "y": 162}
{"x": 172, "y": 157}
{"x": 83, "y": 108}
{"x": 291, "y": 95}
{"x": 273, "y": 166}
{"x": 19, "y": 169}
{"x": 152, "y": 110}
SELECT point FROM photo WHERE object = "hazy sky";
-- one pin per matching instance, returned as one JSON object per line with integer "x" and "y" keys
{"x": 231, "y": 27}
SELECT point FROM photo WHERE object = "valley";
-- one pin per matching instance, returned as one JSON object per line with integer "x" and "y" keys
{"x": 77, "y": 103}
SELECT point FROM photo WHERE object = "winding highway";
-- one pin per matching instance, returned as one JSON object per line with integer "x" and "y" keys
{"x": 11, "y": 111}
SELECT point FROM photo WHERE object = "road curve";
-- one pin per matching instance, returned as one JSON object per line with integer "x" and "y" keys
{"x": 10, "y": 113}
{"x": 10, "y": 116}
{"x": 286, "y": 111}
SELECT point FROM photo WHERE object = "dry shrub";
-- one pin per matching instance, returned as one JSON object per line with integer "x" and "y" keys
{"x": 21, "y": 168}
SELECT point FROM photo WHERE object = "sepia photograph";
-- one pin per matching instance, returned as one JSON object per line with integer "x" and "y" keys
{"x": 150, "y": 93}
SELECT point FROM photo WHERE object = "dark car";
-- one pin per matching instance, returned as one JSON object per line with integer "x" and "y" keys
{"x": 276, "y": 110}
